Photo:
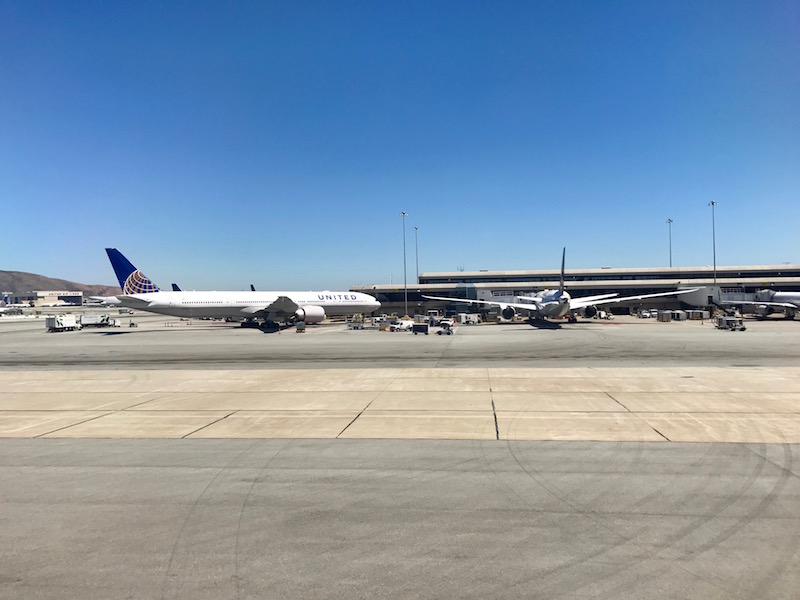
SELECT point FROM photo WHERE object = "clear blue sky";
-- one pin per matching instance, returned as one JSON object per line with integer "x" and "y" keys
{"x": 218, "y": 144}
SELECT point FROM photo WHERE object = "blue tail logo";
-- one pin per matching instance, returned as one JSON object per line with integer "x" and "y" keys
{"x": 131, "y": 280}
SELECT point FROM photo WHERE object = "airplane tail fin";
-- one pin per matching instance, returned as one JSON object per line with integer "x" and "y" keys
{"x": 175, "y": 288}
{"x": 131, "y": 279}
{"x": 563, "y": 258}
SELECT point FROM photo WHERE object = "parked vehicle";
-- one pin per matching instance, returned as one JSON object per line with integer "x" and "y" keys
{"x": 446, "y": 329}
{"x": 401, "y": 325}
{"x": 96, "y": 321}
{"x": 730, "y": 323}
{"x": 62, "y": 323}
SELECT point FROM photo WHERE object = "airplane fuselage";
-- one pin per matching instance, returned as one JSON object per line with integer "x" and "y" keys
{"x": 244, "y": 305}
{"x": 548, "y": 304}
{"x": 788, "y": 297}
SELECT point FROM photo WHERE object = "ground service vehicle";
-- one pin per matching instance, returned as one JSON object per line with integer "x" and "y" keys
{"x": 62, "y": 323}
{"x": 447, "y": 328}
{"x": 730, "y": 323}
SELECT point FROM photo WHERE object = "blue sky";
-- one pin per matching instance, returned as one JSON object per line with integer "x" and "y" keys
{"x": 218, "y": 144}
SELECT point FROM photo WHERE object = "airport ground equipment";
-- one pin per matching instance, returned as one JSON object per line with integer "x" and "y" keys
{"x": 401, "y": 325}
{"x": 62, "y": 323}
{"x": 699, "y": 315}
{"x": 420, "y": 328}
{"x": 96, "y": 321}
{"x": 729, "y": 323}
{"x": 446, "y": 329}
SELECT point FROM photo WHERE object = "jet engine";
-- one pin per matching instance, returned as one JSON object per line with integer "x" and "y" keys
{"x": 762, "y": 311}
{"x": 310, "y": 314}
{"x": 589, "y": 311}
{"x": 508, "y": 312}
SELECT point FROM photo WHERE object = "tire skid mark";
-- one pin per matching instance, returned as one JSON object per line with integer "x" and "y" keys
{"x": 192, "y": 509}
{"x": 622, "y": 540}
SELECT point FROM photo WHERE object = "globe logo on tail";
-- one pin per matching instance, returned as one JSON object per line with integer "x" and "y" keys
{"x": 136, "y": 283}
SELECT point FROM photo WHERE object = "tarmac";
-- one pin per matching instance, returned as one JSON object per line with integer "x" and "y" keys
{"x": 605, "y": 459}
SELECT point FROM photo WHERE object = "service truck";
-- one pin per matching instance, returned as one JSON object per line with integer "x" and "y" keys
{"x": 95, "y": 321}
{"x": 62, "y": 323}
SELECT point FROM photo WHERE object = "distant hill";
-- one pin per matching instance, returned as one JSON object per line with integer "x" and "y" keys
{"x": 17, "y": 282}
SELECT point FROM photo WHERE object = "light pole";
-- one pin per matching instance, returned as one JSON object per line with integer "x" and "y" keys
{"x": 712, "y": 204}
{"x": 416, "y": 251}
{"x": 669, "y": 222}
{"x": 404, "y": 214}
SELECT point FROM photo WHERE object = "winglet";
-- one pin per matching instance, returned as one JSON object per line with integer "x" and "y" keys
{"x": 131, "y": 280}
{"x": 176, "y": 288}
{"x": 252, "y": 288}
{"x": 563, "y": 258}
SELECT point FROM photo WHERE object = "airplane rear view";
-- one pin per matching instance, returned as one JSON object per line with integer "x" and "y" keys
{"x": 554, "y": 304}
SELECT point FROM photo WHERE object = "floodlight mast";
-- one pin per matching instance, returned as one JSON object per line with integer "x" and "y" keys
{"x": 404, "y": 214}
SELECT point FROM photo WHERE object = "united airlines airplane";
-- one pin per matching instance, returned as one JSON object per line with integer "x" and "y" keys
{"x": 556, "y": 304}
{"x": 789, "y": 302}
{"x": 270, "y": 307}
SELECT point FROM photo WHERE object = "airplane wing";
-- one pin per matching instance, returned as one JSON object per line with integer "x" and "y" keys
{"x": 590, "y": 300}
{"x": 576, "y": 303}
{"x": 529, "y": 306}
{"x": 282, "y": 305}
{"x": 777, "y": 304}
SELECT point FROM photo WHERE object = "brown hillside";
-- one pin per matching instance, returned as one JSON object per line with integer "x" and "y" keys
{"x": 17, "y": 282}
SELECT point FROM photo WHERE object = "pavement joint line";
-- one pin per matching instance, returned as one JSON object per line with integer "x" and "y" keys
{"x": 656, "y": 430}
{"x": 132, "y": 406}
{"x": 494, "y": 410}
{"x": 617, "y": 401}
{"x": 209, "y": 424}
{"x": 496, "y": 427}
{"x": 391, "y": 381}
{"x": 72, "y": 425}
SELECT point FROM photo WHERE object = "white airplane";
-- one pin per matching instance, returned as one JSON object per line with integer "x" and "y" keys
{"x": 5, "y": 304}
{"x": 789, "y": 302}
{"x": 554, "y": 304}
{"x": 269, "y": 307}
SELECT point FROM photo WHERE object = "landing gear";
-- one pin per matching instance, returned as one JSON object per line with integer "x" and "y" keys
{"x": 543, "y": 324}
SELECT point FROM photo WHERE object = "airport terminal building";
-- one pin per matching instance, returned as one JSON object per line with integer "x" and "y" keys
{"x": 47, "y": 298}
{"x": 732, "y": 284}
